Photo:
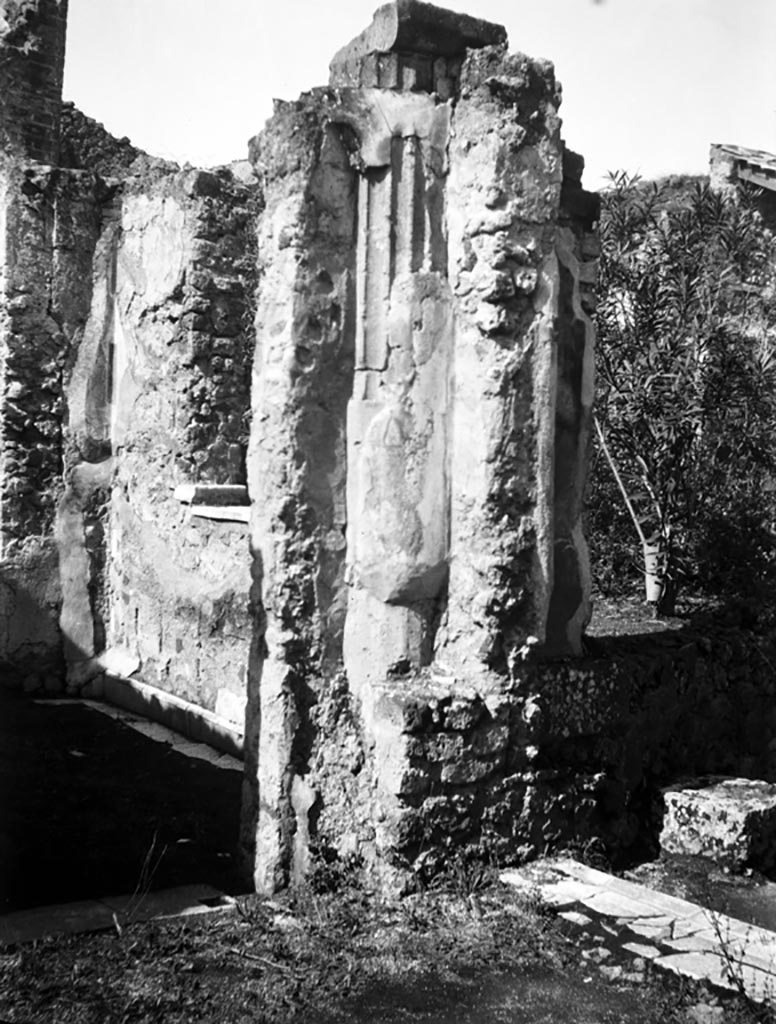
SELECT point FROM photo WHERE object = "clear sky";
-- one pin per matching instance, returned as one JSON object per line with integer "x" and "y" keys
{"x": 647, "y": 84}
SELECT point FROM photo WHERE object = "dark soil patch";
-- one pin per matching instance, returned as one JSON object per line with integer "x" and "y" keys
{"x": 87, "y": 804}
{"x": 337, "y": 958}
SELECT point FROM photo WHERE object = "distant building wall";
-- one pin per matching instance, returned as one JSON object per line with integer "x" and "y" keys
{"x": 735, "y": 167}
{"x": 32, "y": 60}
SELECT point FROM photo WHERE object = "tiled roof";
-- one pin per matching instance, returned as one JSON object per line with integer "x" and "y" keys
{"x": 754, "y": 165}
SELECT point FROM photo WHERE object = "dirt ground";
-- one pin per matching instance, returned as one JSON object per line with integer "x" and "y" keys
{"x": 89, "y": 807}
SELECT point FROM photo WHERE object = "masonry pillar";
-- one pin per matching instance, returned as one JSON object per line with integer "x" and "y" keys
{"x": 421, "y": 397}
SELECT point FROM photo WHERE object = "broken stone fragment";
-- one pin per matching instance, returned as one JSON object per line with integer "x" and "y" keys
{"x": 730, "y": 821}
{"x": 408, "y": 26}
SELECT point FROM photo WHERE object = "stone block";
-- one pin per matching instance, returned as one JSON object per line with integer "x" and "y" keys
{"x": 730, "y": 821}
{"x": 490, "y": 740}
{"x": 414, "y": 783}
{"x": 467, "y": 771}
{"x": 463, "y": 715}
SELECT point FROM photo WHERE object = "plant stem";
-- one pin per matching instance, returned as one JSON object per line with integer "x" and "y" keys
{"x": 618, "y": 478}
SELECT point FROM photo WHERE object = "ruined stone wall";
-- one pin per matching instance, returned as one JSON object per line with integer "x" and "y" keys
{"x": 647, "y": 711}
{"x": 318, "y": 437}
{"x": 125, "y": 337}
{"x": 158, "y": 395}
{"x": 48, "y": 225}
{"x": 85, "y": 144}
{"x": 126, "y": 322}
{"x": 572, "y": 751}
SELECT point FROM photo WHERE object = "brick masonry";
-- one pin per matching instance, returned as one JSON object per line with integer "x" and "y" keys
{"x": 32, "y": 62}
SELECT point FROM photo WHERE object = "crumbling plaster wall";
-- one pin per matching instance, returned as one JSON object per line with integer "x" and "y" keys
{"x": 126, "y": 323}
{"x": 157, "y": 397}
{"x": 127, "y": 344}
{"x": 421, "y": 404}
{"x": 49, "y": 230}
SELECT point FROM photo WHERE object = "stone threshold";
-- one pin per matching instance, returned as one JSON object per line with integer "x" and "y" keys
{"x": 184, "y": 901}
{"x": 672, "y": 934}
{"x": 175, "y": 713}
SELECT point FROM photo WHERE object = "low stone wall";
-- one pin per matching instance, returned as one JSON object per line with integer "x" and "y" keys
{"x": 572, "y": 750}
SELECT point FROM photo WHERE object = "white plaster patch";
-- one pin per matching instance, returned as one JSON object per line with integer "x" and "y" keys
{"x": 231, "y": 706}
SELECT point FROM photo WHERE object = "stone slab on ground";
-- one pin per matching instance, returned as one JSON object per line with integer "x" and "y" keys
{"x": 673, "y": 934}
{"x": 100, "y": 915}
{"x": 730, "y": 821}
{"x": 61, "y": 919}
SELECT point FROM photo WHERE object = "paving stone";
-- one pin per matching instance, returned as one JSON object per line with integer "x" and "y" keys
{"x": 761, "y": 956}
{"x": 566, "y": 892}
{"x": 691, "y": 944}
{"x": 699, "y": 966}
{"x": 181, "y": 901}
{"x": 614, "y": 904}
{"x": 758, "y": 985}
{"x": 653, "y": 920}
{"x": 98, "y": 915}
{"x": 562, "y": 892}
{"x": 656, "y": 902}
{"x": 162, "y": 734}
{"x": 656, "y": 932}
{"x": 696, "y": 922}
{"x": 696, "y": 937}
{"x": 641, "y": 949}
